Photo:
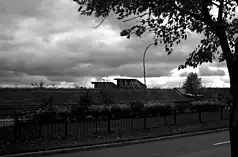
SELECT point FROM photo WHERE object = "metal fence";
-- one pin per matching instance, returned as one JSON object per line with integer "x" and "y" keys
{"x": 20, "y": 130}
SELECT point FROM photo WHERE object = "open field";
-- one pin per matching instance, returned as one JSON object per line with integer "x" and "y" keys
{"x": 14, "y": 99}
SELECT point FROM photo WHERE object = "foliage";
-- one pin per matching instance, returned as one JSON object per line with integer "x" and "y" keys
{"x": 40, "y": 85}
{"x": 47, "y": 106}
{"x": 136, "y": 107}
{"x": 192, "y": 84}
{"x": 154, "y": 108}
{"x": 98, "y": 111}
{"x": 182, "y": 107}
{"x": 120, "y": 110}
{"x": 132, "y": 109}
{"x": 207, "y": 105}
{"x": 172, "y": 21}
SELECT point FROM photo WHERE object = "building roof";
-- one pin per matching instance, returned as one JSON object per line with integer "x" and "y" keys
{"x": 102, "y": 82}
{"x": 125, "y": 79}
{"x": 182, "y": 92}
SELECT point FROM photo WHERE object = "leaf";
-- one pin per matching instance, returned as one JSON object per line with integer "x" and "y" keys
{"x": 80, "y": 8}
{"x": 124, "y": 33}
{"x": 156, "y": 42}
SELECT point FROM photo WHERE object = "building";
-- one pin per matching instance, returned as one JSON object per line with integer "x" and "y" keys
{"x": 104, "y": 85}
{"x": 129, "y": 84}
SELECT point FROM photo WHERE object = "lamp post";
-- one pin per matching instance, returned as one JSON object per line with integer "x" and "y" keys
{"x": 144, "y": 60}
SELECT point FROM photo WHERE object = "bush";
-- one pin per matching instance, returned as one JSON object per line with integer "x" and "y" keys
{"x": 45, "y": 117}
{"x": 153, "y": 108}
{"x": 166, "y": 110}
{"x": 182, "y": 108}
{"x": 137, "y": 108}
{"x": 80, "y": 111}
{"x": 98, "y": 111}
{"x": 125, "y": 110}
{"x": 116, "y": 111}
{"x": 207, "y": 106}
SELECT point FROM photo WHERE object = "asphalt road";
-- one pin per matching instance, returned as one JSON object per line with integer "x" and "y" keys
{"x": 208, "y": 145}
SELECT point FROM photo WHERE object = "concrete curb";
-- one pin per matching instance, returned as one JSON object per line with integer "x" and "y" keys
{"x": 115, "y": 144}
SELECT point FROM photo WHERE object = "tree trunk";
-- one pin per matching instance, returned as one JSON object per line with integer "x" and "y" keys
{"x": 232, "y": 66}
{"x": 233, "y": 123}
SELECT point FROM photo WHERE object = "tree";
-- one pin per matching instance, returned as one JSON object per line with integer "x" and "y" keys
{"x": 192, "y": 84}
{"x": 40, "y": 85}
{"x": 170, "y": 22}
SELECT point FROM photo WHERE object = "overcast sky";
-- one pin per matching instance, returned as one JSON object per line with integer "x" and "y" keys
{"x": 47, "y": 40}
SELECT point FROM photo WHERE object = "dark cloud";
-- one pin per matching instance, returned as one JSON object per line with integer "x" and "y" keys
{"x": 23, "y": 8}
{"x": 205, "y": 71}
{"x": 49, "y": 40}
{"x": 219, "y": 64}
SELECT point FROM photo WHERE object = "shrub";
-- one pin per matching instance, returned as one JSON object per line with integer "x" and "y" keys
{"x": 137, "y": 107}
{"x": 207, "y": 106}
{"x": 45, "y": 117}
{"x": 166, "y": 110}
{"x": 125, "y": 110}
{"x": 98, "y": 111}
{"x": 181, "y": 108}
{"x": 115, "y": 110}
{"x": 153, "y": 108}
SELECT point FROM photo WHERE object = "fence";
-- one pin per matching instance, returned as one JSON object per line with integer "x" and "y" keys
{"x": 20, "y": 130}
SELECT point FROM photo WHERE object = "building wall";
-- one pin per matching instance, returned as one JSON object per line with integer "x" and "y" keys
{"x": 104, "y": 85}
{"x": 130, "y": 84}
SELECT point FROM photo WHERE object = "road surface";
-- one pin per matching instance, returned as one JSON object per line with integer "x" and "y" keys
{"x": 208, "y": 145}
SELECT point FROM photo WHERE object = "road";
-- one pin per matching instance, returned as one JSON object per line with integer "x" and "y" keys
{"x": 208, "y": 145}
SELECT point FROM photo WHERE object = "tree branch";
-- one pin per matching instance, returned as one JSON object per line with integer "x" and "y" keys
{"x": 196, "y": 16}
{"x": 104, "y": 18}
{"x": 100, "y": 22}
{"x": 206, "y": 14}
{"x": 220, "y": 11}
{"x": 140, "y": 16}
{"x": 216, "y": 4}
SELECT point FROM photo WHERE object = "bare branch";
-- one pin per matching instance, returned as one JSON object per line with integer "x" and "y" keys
{"x": 140, "y": 16}
{"x": 104, "y": 18}
{"x": 216, "y": 4}
{"x": 100, "y": 22}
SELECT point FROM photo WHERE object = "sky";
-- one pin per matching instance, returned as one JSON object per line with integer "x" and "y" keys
{"x": 49, "y": 41}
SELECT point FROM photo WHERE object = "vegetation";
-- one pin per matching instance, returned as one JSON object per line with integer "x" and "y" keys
{"x": 40, "y": 85}
{"x": 170, "y": 21}
{"x": 192, "y": 84}
{"x": 132, "y": 109}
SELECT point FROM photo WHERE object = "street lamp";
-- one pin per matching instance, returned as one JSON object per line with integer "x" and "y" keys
{"x": 155, "y": 43}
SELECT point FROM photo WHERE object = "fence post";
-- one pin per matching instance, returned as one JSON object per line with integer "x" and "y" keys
{"x": 175, "y": 117}
{"x": 145, "y": 124}
{"x": 15, "y": 126}
{"x": 108, "y": 125}
{"x": 221, "y": 110}
{"x": 166, "y": 122}
{"x": 96, "y": 125}
{"x": 66, "y": 127}
{"x": 200, "y": 116}
{"x": 21, "y": 133}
